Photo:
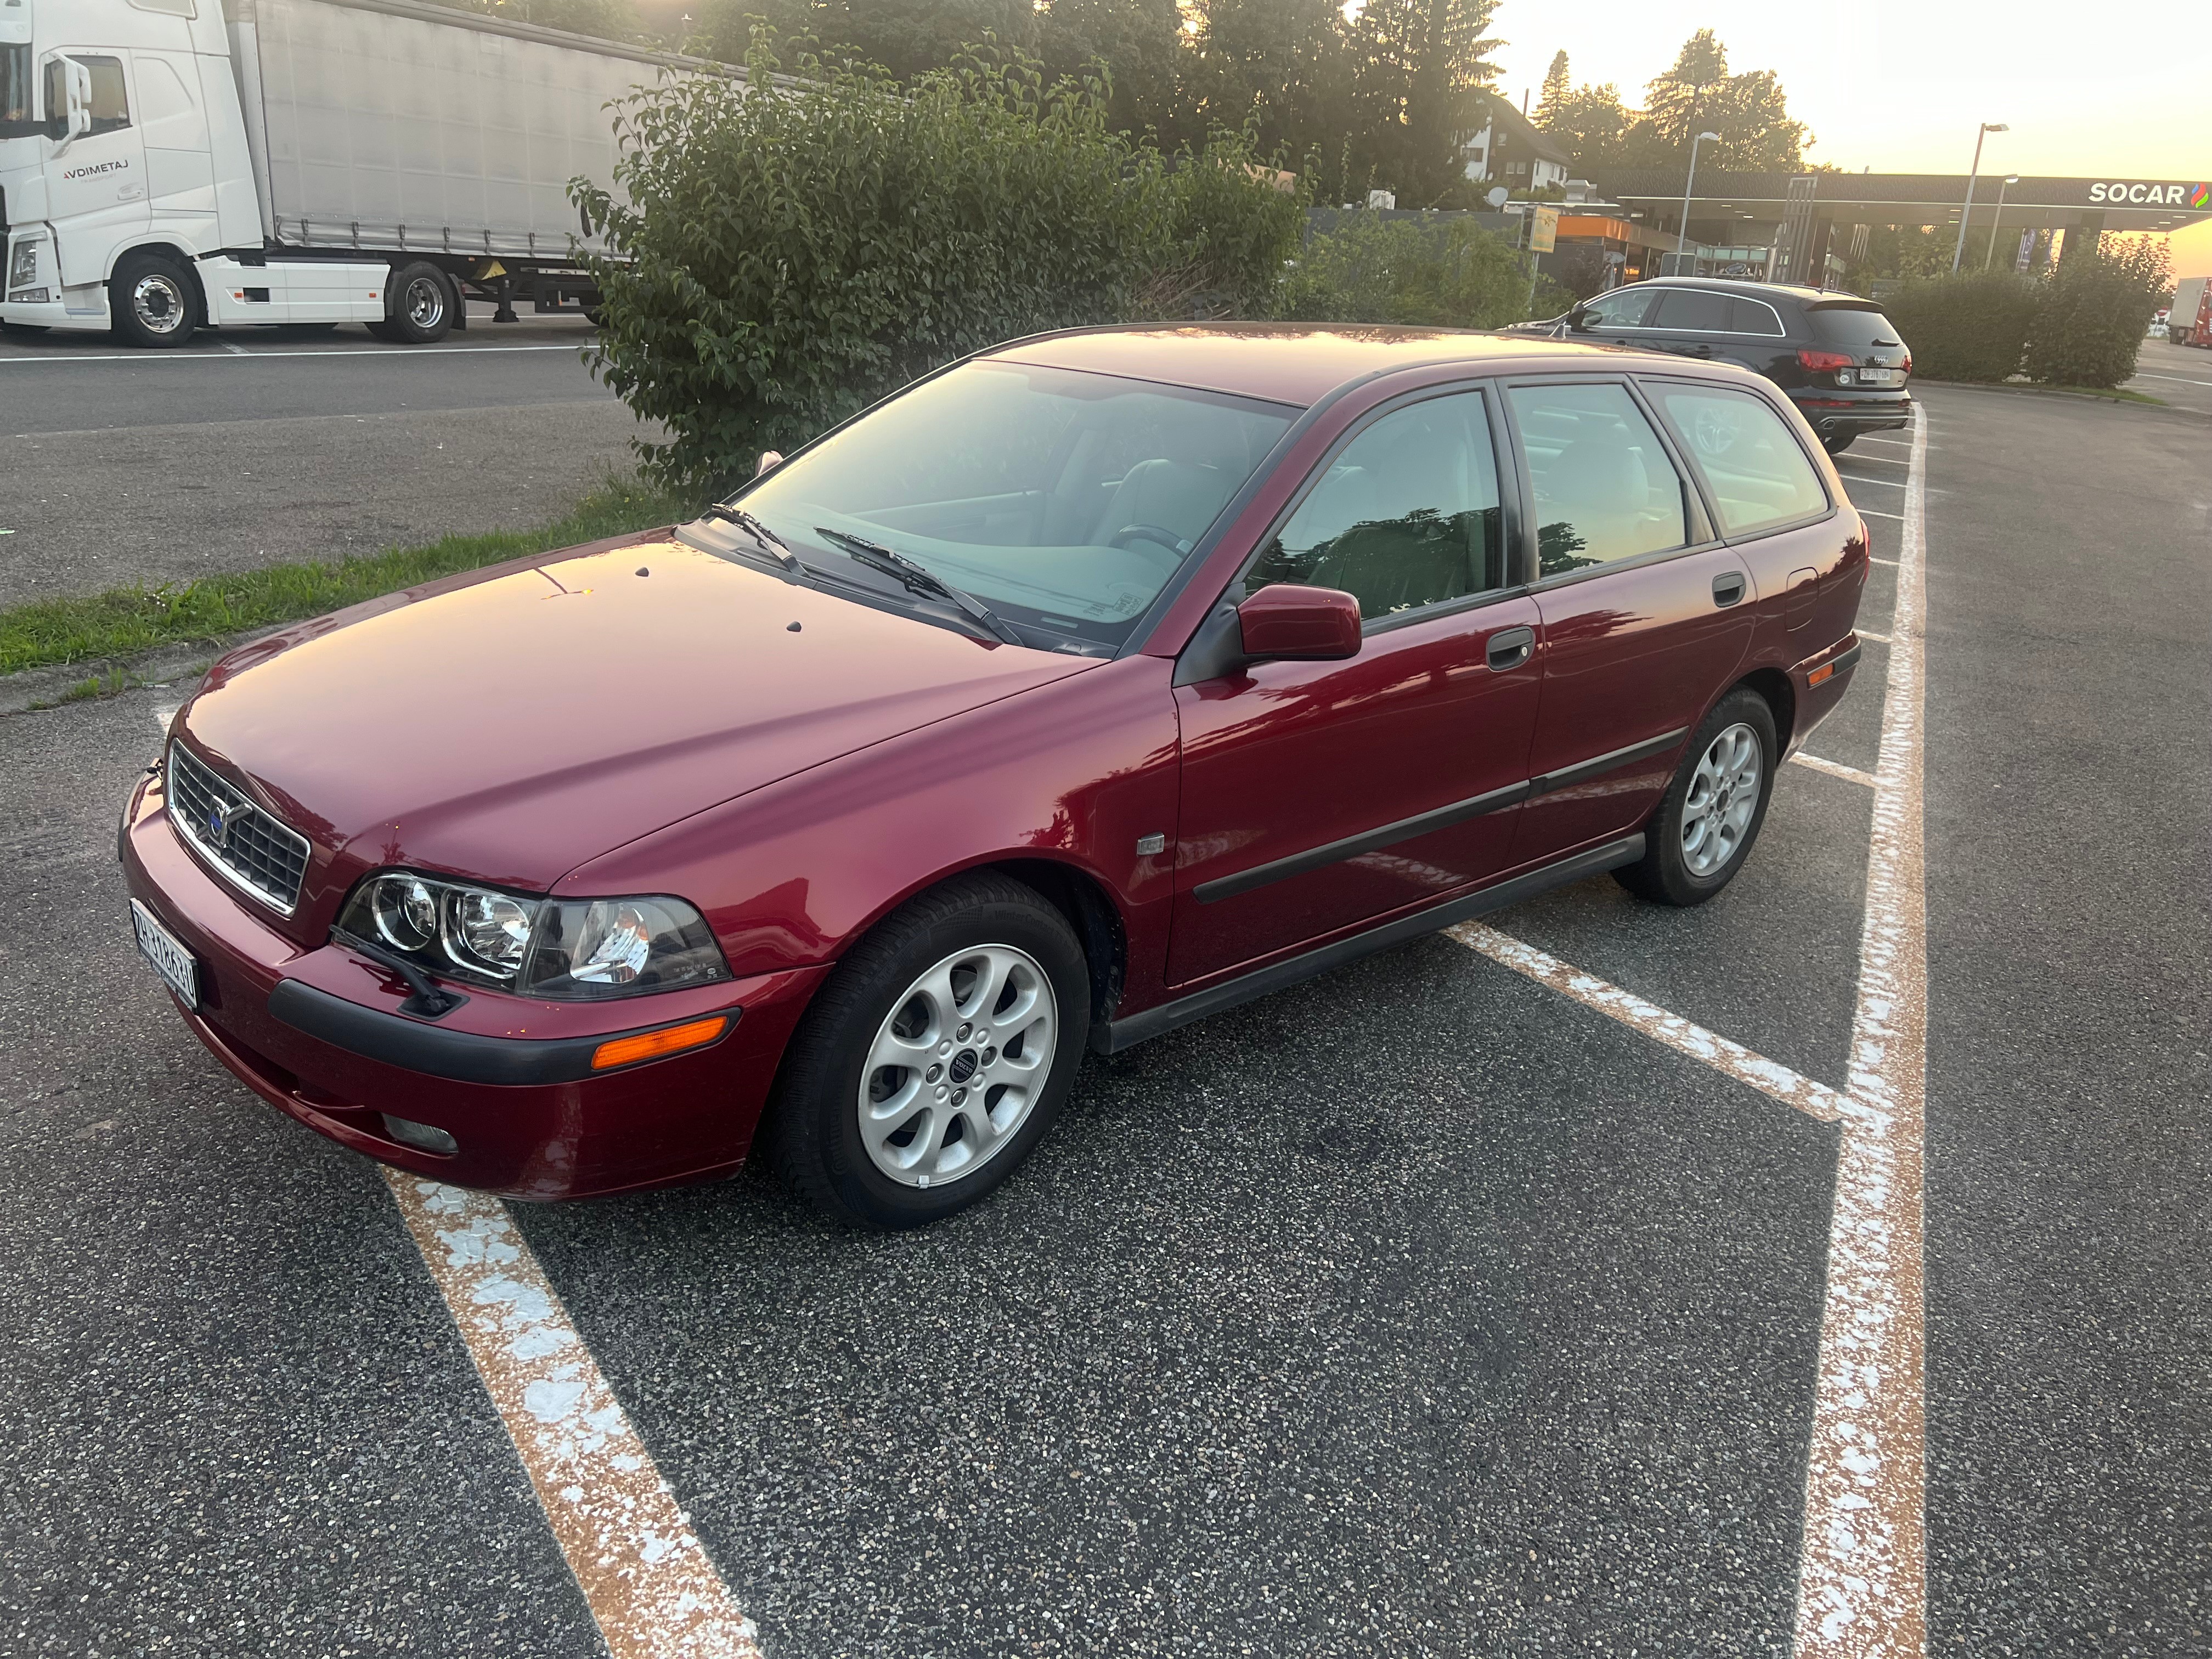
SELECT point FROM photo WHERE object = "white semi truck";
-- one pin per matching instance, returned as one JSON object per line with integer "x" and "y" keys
{"x": 170, "y": 165}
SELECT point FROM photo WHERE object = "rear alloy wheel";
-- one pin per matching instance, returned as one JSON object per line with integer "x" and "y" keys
{"x": 935, "y": 1058}
{"x": 152, "y": 300}
{"x": 423, "y": 306}
{"x": 1711, "y": 813}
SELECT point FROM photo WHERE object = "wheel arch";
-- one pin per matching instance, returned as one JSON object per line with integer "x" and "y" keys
{"x": 185, "y": 258}
{"x": 1781, "y": 698}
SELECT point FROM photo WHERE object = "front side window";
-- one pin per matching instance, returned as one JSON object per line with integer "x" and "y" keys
{"x": 1624, "y": 307}
{"x": 1756, "y": 473}
{"x": 1063, "y": 499}
{"x": 111, "y": 106}
{"x": 1406, "y": 516}
{"x": 1604, "y": 487}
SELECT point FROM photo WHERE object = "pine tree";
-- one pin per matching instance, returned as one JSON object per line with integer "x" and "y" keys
{"x": 1557, "y": 89}
{"x": 1675, "y": 98}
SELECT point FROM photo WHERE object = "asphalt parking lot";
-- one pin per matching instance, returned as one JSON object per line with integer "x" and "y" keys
{"x": 256, "y": 446}
{"x": 1496, "y": 1295}
{"x": 2180, "y": 376}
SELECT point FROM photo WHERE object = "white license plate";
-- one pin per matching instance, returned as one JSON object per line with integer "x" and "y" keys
{"x": 1880, "y": 376}
{"x": 171, "y": 960}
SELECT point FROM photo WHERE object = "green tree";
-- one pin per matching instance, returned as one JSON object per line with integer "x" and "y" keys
{"x": 1420, "y": 70}
{"x": 1557, "y": 89}
{"x": 1138, "y": 45}
{"x": 1677, "y": 95}
{"x": 1592, "y": 124}
{"x": 1279, "y": 67}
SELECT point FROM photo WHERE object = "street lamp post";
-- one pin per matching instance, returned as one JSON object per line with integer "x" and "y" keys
{"x": 1688, "y": 185}
{"x": 1987, "y": 128}
{"x": 2011, "y": 179}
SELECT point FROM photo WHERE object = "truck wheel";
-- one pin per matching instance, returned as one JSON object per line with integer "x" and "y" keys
{"x": 152, "y": 300}
{"x": 422, "y": 306}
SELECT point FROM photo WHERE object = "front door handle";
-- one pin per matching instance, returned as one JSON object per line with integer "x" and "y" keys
{"x": 1727, "y": 588}
{"x": 1510, "y": 647}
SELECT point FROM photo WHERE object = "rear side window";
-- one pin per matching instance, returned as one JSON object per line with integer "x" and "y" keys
{"x": 1852, "y": 328}
{"x": 1697, "y": 308}
{"x": 1604, "y": 487}
{"x": 1758, "y": 476}
{"x": 1405, "y": 517}
{"x": 1753, "y": 317}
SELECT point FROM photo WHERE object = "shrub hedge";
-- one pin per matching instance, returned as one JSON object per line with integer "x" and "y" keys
{"x": 2082, "y": 324}
{"x": 1368, "y": 269}
{"x": 780, "y": 258}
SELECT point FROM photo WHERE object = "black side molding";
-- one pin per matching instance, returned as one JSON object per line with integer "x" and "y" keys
{"x": 1222, "y": 887}
{"x": 1583, "y": 771}
{"x": 437, "y": 1051}
{"x": 1112, "y": 1037}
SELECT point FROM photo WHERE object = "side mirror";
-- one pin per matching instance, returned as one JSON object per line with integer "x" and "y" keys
{"x": 79, "y": 78}
{"x": 769, "y": 460}
{"x": 1575, "y": 316}
{"x": 1284, "y": 622}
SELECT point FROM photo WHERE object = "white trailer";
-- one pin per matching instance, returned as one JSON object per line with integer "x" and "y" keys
{"x": 166, "y": 165}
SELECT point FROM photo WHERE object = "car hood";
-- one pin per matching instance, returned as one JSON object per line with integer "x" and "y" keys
{"x": 512, "y": 724}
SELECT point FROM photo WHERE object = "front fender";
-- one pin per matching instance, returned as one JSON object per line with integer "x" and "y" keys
{"x": 1076, "y": 773}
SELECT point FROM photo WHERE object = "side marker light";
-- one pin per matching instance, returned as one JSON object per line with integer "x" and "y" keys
{"x": 1826, "y": 671}
{"x": 652, "y": 1045}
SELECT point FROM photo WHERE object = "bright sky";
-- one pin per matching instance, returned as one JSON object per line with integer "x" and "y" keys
{"x": 2120, "y": 90}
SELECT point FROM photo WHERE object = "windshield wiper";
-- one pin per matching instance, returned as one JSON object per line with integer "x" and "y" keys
{"x": 765, "y": 538}
{"x": 919, "y": 578}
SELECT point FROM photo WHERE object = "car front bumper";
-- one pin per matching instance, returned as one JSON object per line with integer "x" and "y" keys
{"x": 313, "y": 1031}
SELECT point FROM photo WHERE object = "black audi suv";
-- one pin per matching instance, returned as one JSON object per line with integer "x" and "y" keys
{"x": 1840, "y": 359}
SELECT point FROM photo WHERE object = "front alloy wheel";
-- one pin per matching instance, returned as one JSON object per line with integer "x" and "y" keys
{"x": 934, "y": 1059}
{"x": 957, "y": 1066}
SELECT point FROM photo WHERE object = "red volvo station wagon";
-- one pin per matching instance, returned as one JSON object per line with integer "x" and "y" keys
{"x": 1094, "y": 684}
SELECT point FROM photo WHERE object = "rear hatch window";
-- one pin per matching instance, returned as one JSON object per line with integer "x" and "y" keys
{"x": 1861, "y": 329}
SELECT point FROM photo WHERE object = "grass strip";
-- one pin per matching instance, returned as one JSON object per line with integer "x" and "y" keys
{"x": 123, "y": 620}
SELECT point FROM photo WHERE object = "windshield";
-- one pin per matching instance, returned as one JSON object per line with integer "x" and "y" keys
{"x": 1063, "y": 501}
{"x": 1857, "y": 328}
{"x": 15, "y": 120}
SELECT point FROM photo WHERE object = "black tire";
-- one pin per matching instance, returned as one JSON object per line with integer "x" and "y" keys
{"x": 1837, "y": 446}
{"x": 812, "y": 1134}
{"x": 23, "y": 328}
{"x": 423, "y": 303}
{"x": 152, "y": 300}
{"x": 1664, "y": 874}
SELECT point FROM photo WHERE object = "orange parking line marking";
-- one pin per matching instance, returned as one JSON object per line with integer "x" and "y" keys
{"x": 642, "y": 1571}
{"x": 1768, "y": 1077}
{"x": 1862, "y": 1571}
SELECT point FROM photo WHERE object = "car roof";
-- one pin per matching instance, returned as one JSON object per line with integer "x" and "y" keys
{"x": 1285, "y": 362}
{"x": 1743, "y": 285}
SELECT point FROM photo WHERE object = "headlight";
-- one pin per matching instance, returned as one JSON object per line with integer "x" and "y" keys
{"x": 23, "y": 270}
{"x": 578, "y": 949}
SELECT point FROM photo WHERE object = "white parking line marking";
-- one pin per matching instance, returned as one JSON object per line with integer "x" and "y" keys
{"x": 1835, "y": 768}
{"x": 1878, "y": 639}
{"x": 1876, "y": 512}
{"x": 1892, "y": 564}
{"x": 643, "y": 1572}
{"x": 228, "y": 345}
{"x": 2145, "y": 375}
{"x": 1862, "y": 1573}
{"x": 153, "y": 357}
{"x": 1880, "y": 460}
{"x": 1886, "y": 483}
{"x": 1768, "y": 1077}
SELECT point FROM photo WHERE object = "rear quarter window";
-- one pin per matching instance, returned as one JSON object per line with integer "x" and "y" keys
{"x": 1853, "y": 328}
{"x": 1758, "y": 476}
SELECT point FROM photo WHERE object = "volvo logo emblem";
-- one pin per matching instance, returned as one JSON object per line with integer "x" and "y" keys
{"x": 219, "y": 819}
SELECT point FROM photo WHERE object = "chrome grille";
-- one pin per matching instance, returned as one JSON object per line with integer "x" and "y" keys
{"x": 243, "y": 843}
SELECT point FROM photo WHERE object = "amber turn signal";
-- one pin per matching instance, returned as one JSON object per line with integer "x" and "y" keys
{"x": 652, "y": 1045}
{"x": 1816, "y": 677}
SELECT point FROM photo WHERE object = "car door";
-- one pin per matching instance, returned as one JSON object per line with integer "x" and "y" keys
{"x": 1689, "y": 321}
{"x": 99, "y": 179}
{"x": 1318, "y": 796}
{"x": 1645, "y": 616}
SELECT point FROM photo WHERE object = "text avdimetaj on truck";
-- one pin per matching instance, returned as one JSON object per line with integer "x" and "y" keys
{"x": 171, "y": 165}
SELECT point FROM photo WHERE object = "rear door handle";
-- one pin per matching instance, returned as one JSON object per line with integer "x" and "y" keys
{"x": 1509, "y": 647}
{"x": 1727, "y": 588}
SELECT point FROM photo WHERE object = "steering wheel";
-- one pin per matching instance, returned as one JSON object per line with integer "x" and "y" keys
{"x": 1151, "y": 532}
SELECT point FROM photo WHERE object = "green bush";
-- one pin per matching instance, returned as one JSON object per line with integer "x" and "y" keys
{"x": 2095, "y": 307}
{"x": 779, "y": 259}
{"x": 1968, "y": 327}
{"x": 1371, "y": 270}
